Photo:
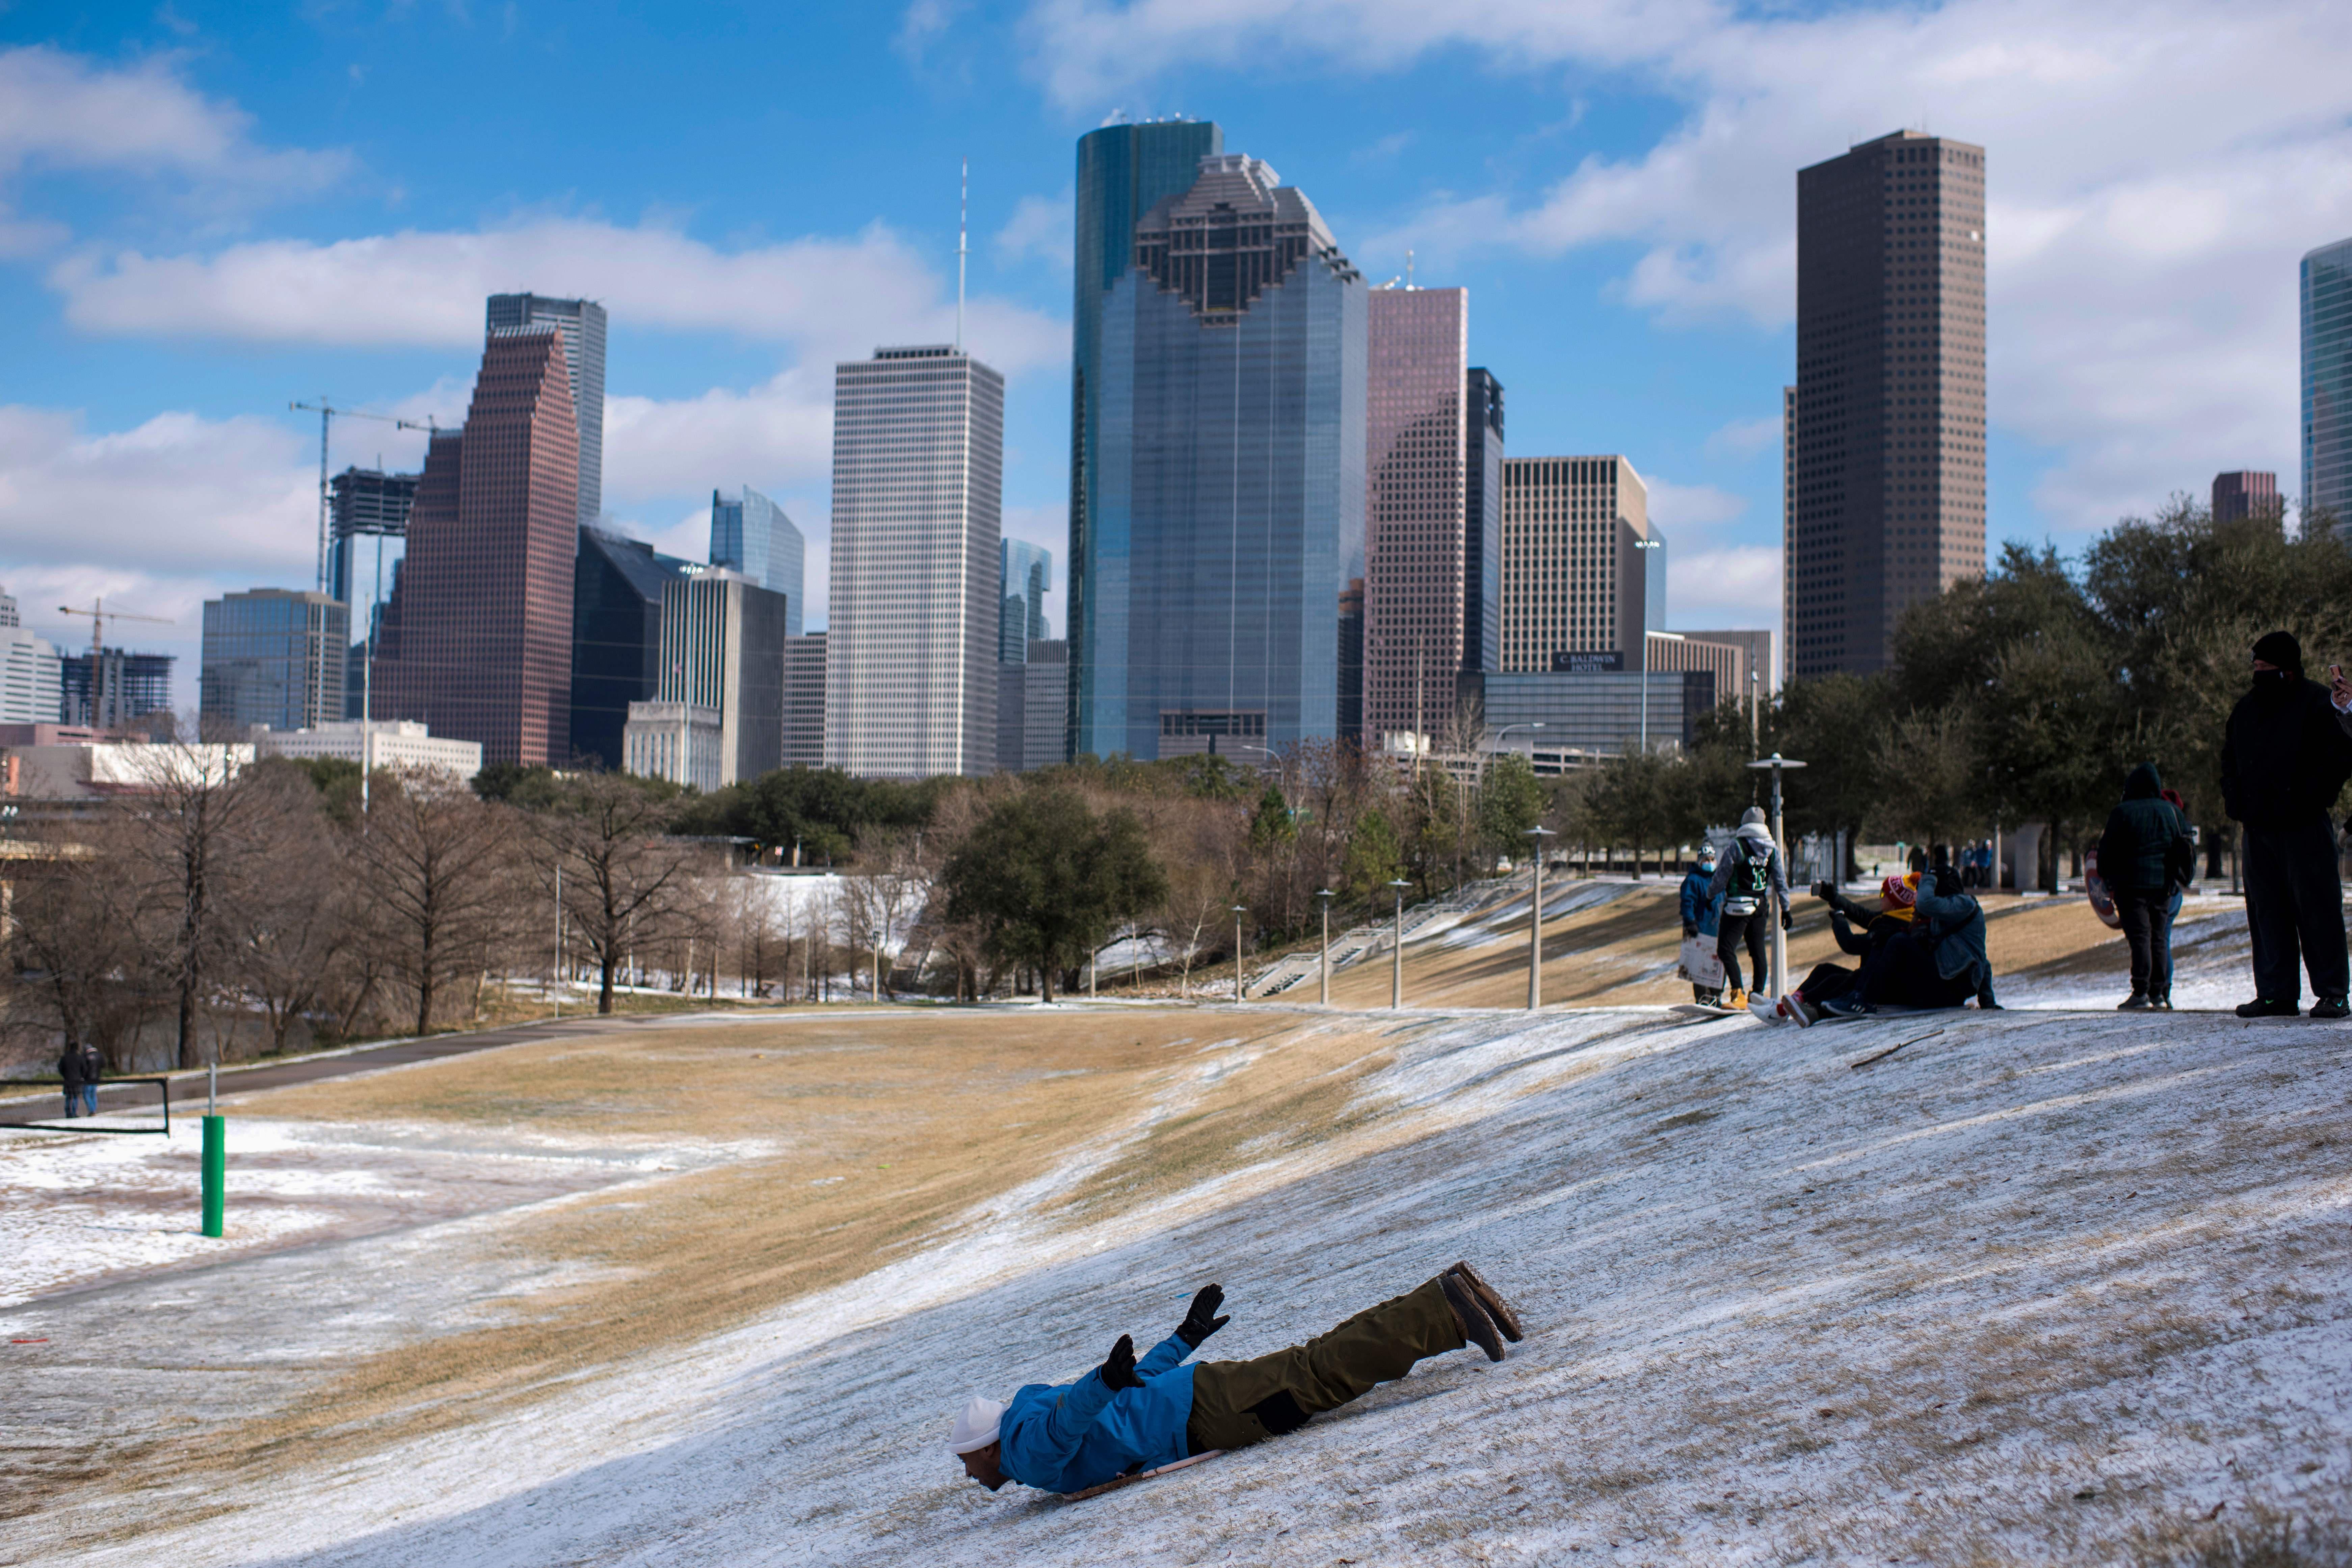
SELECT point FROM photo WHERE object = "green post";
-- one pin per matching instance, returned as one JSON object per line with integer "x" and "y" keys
{"x": 215, "y": 1172}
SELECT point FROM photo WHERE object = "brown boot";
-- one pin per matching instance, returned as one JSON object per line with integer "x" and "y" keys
{"x": 1477, "y": 1326}
{"x": 1505, "y": 1318}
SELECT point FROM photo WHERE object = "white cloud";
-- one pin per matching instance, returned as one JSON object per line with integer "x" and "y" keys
{"x": 60, "y": 109}
{"x": 830, "y": 298}
{"x": 1719, "y": 588}
{"x": 1040, "y": 226}
{"x": 776, "y": 436}
{"x": 1744, "y": 437}
{"x": 925, "y": 22}
{"x": 1677, "y": 509}
{"x": 2154, "y": 174}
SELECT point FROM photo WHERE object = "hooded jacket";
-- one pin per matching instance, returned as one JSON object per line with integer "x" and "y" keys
{"x": 1066, "y": 1437}
{"x": 1954, "y": 926}
{"x": 2285, "y": 758}
{"x": 1749, "y": 846}
{"x": 2146, "y": 838}
{"x": 1700, "y": 906}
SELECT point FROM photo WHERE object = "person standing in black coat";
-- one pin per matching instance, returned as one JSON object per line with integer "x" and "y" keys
{"x": 2145, "y": 853}
{"x": 2285, "y": 758}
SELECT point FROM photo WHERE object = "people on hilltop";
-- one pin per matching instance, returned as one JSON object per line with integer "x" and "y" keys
{"x": 1701, "y": 909}
{"x": 1753, "y": 883}
{"x": 2285, "y": 755}
{"x": 1939, "y": 962}
{"x": 1128, "y": 1416}
{"x": 2146, "y": 856}
{"x": 1859, "y": 930}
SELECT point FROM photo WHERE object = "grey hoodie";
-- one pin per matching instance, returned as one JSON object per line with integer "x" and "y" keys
{"x": 1751, "y": 843}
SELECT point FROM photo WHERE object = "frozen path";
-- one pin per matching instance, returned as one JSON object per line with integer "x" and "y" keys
{"x": 2042, "y": 1286}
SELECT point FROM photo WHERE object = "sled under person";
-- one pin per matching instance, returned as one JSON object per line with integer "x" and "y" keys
{"x": 1128, "y": 1417}
{"x": 1859, "y": 930}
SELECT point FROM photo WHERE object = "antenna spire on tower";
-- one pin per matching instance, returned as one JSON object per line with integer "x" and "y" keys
{"x": 963, "y": 229}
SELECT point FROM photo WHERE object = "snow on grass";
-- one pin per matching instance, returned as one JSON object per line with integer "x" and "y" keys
{"x": 2041, "y": 1287}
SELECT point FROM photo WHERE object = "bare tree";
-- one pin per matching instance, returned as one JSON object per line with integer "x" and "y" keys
{"x": 286, "y": 901}
{"x": 74, "y": 949}
{"x": 429, "y": 857}
{"x": 881, "y": 899}
{"x": 605, "y": 832}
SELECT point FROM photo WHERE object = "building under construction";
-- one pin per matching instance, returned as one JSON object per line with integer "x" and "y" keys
{"x": 109, "y": 689}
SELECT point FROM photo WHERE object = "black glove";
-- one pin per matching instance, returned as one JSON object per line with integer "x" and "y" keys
{"x": 1118, "y": 1367}
{"x": 1788, "y": 920}
{"x": 1689, "y": 931}
{"x": 1823, "y": 891}
{"x": 1203, "y": 1320}
{"x": 1948, "y": 882}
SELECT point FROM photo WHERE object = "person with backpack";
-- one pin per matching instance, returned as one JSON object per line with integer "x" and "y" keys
{"x": 1701, "y": 910}
{"x": 1750, "y": 880}
{"x": 2145, "y": 856}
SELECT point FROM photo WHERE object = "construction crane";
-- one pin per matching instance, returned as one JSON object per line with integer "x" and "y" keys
{"x": 99, "y": 615}
{"x": 327, "y": 412}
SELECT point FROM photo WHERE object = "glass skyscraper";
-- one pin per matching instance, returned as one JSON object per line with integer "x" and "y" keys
{"x": 274, "y": 657}
{"x": 1222, "y": 458}
{"x": 2328, "y": 383}
{"x": 1028, "y": 577}
{"x": 1124, "y": 171}
{"x": 751, "y": 535}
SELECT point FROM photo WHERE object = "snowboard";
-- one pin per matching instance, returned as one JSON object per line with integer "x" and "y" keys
{"x": 1114, "y": 1483}
{"x": 1706, "y": 1011}
{"x": 2094, "y": 887}
{"x": 1701, "y": 963}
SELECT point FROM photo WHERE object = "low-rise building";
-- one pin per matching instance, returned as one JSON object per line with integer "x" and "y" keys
{"x": 684, "y": 742}
{"x": 86, "y": 772}
{"x": 381, "y": 743}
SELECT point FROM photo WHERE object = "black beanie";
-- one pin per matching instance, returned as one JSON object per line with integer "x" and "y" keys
{"x": 2280, "y": 649}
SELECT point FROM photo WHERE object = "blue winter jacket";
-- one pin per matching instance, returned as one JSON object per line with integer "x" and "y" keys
{"x": 1701, "y": 907}
{"x": 1069, "y": 1437}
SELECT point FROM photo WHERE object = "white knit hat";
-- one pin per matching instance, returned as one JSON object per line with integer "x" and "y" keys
{"x": 975, "y": 1426}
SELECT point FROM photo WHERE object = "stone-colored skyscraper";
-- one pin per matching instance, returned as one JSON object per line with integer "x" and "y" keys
{"x": 478, "y": 636}
{"x": 751, "y": 535}
{"x": 581, "y": 323}
{"x": 1124, "y": 171}
{"x": 1416, "y": 546}
{"x": 1226, "y": 478}
{"x": 1890, "y": 479}
{"x": 2328, "y": 383}
{"x": 1579, "y": 574}
{"x": 722, "y": 649}
{"x": 916, "y": 565}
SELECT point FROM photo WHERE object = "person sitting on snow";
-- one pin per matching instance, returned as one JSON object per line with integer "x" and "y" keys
{"x": 1127, "y": 1416}
{"x": 1939, "y": 962}
{"x": 1700, "y": 908}
{"x": 1892, "y": 918}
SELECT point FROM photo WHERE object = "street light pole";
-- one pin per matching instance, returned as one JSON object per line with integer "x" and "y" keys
{"x": 1775, "y": 763}
{"x": 1536, "y": 835}
{"x": 1325, "y": 895}
{"x": 1396, "y": 968}
{"x": 1239, "y": 911}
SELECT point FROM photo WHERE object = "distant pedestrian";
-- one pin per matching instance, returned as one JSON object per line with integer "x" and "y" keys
{"x": 2285, "y": 757}
{"x": 1752, "y": 882}
{"x": 2145, "y": 855}
{"x": 78, "y": 1067}
{"x": 1701, "y": 910}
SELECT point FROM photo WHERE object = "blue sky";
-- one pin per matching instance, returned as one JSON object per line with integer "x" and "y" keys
{"x": 208, "y": 210}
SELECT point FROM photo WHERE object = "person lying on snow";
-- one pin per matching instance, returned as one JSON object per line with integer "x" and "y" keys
{"x": 1128, "y": 1415}
{"x": 1893, "y": 917}
{"x": 1939, "y": 962}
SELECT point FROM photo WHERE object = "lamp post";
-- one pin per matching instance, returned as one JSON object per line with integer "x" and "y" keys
{"x": 1777, "y": 763}
{"x": 1504, "y": 733}
{"x": 1396, "y": 968}
{"x": 1239, "y": 911}
{"x": 1536, "y": 835}
{"x": 1325, "y": 895}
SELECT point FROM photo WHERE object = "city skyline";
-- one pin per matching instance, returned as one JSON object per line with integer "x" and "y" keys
{"x": 264, "y": 235}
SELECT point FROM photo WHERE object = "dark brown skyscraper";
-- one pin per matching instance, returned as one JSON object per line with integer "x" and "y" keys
{"x": 478, "y": 637}
{"x": 1887, "y": 496}
{"x": 2246, "y": 494}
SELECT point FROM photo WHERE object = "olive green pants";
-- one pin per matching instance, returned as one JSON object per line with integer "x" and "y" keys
{"x": 1237, "y": 1403}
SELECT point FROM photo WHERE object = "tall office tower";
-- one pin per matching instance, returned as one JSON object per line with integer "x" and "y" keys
{"x": 1416, "y": 546}
{"x": 751, "y": 534}
{"x": 1124, "y": 171}
{"x": 1760, "y": 655}
{"x": 918, "y": 509}
{"x": 1226, "y": 478}
{"x": 109, "y": 689}
{"x": 31, "y": 677}
{"x": 1890, "y": 394}
{"x": 1351, "y": 661}
{"x": 2328, "y": 385}
{"x": 581, "y": 323}
{"x": 616, "y": 611}
{"x": 1583, "y": 572}
{"x": 1787, "y": 516}
{"x": 1027, "y": 577}
{"x": 722, "y": 648}
{"x": 804, "y": 701}
{"x": 273, "y": 656}
{"x": 478, "y": 636}
{"x": 1482, "y": 515}
{"x": 366, "y": 504}
{"x": 2245, "y": 494}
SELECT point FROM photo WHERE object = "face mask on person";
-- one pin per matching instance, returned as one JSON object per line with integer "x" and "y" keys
{"x": 2271, "y": 679}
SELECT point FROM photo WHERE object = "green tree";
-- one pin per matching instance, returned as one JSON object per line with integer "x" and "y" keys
{"x": 1833, "y": 724}
{"x": 1043, "y": 878}
{"x": 1375, "y": 858}
{"x": 1510, "y": 801}
{"x": 1940, "y": 789}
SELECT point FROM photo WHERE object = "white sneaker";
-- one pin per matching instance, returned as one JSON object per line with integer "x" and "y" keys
{"x": 1765, "y": 1008}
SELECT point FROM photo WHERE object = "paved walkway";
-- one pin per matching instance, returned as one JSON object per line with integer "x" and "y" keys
{"x": 188, "y": 1088}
